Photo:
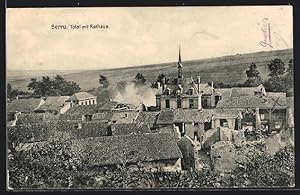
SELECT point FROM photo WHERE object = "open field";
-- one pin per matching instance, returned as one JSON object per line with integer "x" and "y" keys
{"x": 226, "y": 69}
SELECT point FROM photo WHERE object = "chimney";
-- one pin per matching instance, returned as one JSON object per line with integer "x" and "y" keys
{"x": 79, "y": 126}
{"x": 198, "y": 81}
{"x": 212, "y": 84}
{"x": 165, "y": 87}
{"x": 158, "y": 85}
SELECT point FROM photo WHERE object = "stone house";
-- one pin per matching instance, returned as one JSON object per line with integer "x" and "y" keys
{"x": 154, "y": 150}
{"x": 82, "y": 98}
{"x": 55, "y": 105}
{"x": 269, "y": 111}
{"x": 240, "y": 91}
{"x": 22, "y": 106}
{"x": 79, "y": 112}
{"x": 194, "y": 122}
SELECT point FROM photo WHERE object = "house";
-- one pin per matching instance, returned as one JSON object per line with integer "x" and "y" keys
{"x": 194, "y": 123}
{"x": 79, "y": 112}
{"x": 147, "y": 118}
{"x": 153, "y": 150}
{"x": 82, "y": 98}
{"x": 183, "y": 92}
{"x": 23, "y": 106}
{"x": 240, "y": 91}
{"x": 269, "y": 110}
{"x": 55, "y": 105}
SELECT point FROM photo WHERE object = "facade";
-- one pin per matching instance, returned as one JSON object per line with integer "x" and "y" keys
{"x": 183, "y": 92}
{"x": 82, "y": 98}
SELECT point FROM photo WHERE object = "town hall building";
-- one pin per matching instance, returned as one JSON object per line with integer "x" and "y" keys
{"x": 185, "y": 93}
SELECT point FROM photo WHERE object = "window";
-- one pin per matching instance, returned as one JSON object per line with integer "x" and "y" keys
{"x": 207, "y": 126}
{"x": 262, "y": 116}
{"x": 191, "y": 91}
{"x": 205, "y": 103}
{"x": 191, "y": 103}
{"x": 195, "y": 135}
{"x": 178, "y": 103}
{"x": 167, "y": 103}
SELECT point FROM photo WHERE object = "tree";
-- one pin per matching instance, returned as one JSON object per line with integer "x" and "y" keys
{"x": 254, "y": 78}
{"x": 276, "y": 67}
{"x": 53, "y": 165}
{"x": 13, "y": 93}
{"x": 55, "y": 87}
{"x": 139, "y": 79}
{"x": 103, "y": 81}
{"x": 276, "y": 82}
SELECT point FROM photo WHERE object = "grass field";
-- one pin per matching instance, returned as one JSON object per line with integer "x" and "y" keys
{"x": 226, "y": 69}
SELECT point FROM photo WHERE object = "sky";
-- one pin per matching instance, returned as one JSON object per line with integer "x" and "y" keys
{"x": 139, "y": 35}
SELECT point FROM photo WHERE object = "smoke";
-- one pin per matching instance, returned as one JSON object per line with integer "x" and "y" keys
{"x": 135, "y": 95}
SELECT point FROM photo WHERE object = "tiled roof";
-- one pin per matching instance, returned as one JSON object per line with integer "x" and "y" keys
{"x": 124, "y": 116}
{"x": 171, "y": 116}
{"x": 132, "y": 148}
{"x": 243, "y": 91}
{"x": 102, "y": 116}
{"x": 227, "y": 113}
{"x": 165, "y": 117}
{"x": 124, "y": 129}
{"x": 53, "y": 103}
{"x": 147, "y": 118}
{"x": 35, "y": 118}
{"x": 82, "y": 109}
{"x": 82, "y": 96}
{"x": 23, "y": 105}
{"x": 192, "y": 115}
{"x": 272, "y": 100}
{"x": 88, "y": 129}
{"x": 108, "y": 106}
{"x": 225, "y": 92}
{"x": 186, "y": 85}
{"x": 239, "y": 91}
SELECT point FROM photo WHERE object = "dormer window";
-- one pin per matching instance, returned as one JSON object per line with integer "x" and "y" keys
{"x": 168, "y": 91}
{"x": 191, "y": 91}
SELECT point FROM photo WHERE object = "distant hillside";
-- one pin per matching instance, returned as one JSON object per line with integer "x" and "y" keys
{"x": 226, "y": 69}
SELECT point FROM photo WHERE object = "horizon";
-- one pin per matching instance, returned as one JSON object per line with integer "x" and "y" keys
{"x": 122, "y": 37}
{"x": 142, "y": 65}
